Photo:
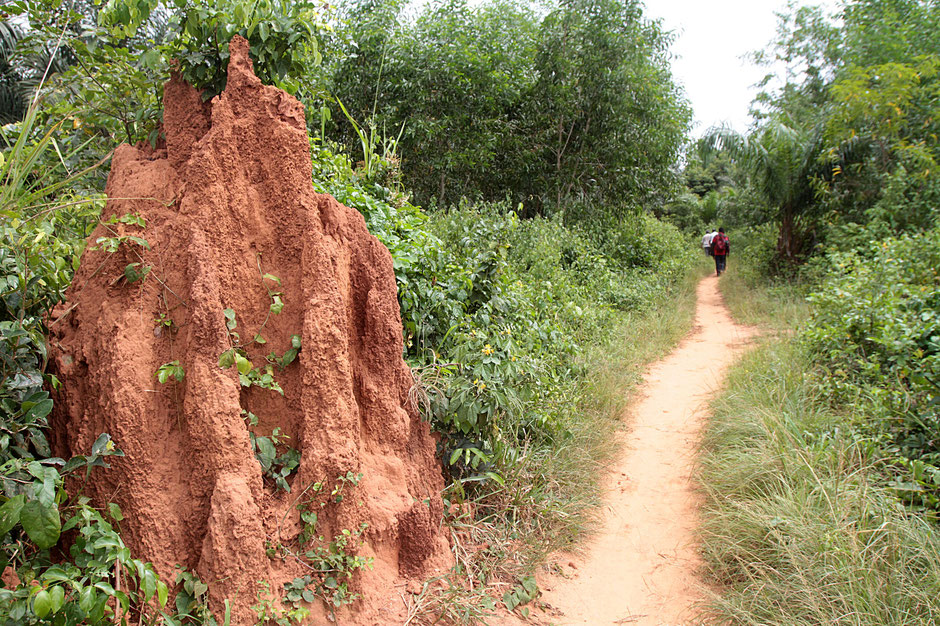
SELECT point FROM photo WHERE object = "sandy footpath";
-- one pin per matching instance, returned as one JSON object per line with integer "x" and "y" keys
{"x": 641, "y": 566}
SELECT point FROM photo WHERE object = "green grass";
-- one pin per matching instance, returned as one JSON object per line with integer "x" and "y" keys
{"x": 774, "y": 308}
{"x": 796, "y": 529}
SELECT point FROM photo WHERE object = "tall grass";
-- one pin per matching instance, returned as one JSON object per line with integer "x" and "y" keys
{"x": 774, "y": 307}
{"x": 795, "y": 528}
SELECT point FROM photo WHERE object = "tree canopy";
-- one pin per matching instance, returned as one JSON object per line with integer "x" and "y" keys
{"x": 500, "y": 100}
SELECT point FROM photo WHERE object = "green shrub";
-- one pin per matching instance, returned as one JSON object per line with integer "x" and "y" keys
{"x": 498, "y": 311}
{"x": 875, "y": 339}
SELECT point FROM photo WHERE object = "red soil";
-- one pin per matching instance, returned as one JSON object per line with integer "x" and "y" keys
{"x": 232, "y": 191}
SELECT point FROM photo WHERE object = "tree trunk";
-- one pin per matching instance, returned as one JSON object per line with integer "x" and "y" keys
{"x": 788, "y": 239}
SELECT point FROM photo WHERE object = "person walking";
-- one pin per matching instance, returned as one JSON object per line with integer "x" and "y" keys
{"x": 707, "y": 242}
{"x": 720, "y": 248}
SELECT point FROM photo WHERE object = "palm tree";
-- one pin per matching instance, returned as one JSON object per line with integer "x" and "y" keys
{"x": 13, "y": 101}
{"x": 22, "y": 72}
{"x": 781, "y": 161}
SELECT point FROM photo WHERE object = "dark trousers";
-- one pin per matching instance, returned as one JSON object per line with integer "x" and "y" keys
{"x": 720, "y": 263}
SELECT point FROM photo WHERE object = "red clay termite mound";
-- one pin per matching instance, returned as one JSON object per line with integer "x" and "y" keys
{"x": 227, "y": 207}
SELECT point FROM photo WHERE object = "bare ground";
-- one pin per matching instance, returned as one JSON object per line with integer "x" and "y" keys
{"x": 641, "y": 567}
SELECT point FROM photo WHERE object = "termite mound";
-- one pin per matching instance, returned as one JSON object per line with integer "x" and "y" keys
{"x": 228, "y": 201}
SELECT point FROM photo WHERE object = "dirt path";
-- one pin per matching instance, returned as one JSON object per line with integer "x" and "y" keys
{"x": 641, "y": 566}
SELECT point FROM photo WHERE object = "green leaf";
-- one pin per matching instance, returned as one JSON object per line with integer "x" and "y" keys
{"x": 277, "y": 305}
{"x": 266, "y": 452}
{"x": 260, "y": 339}
{"x": 148, "y": 584}
{"x": 140, "y": 242}
{"x": 115, "y": 511}
{"x": 38, "y": 411}
{"x": 230, "y": 322}
{"x": 57, "y": 594}
{"x": 41, "y": 523}
{"x": 199, "y": 588}
{"x": 105, "y": 587}
{"x": 87, "y": 598}
{"x": 288, "y": 357}
{"x": 529, "y": 584}
{"x": 244, "y": 365}
{"x": 227, "y": 358}
{"x": 162, "y": 593}
{"x": 42, "y": 604}
{"x": 10, "y": 513}
{"x": 101, "y": 444}
{"x": 133, "y": 274}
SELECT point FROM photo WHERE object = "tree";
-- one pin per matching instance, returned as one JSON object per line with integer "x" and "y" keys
{"x": 452, "y": 81}
{"x": 609, "y": 119}
{"x": 12, "y": 97}
{"x": 496, "y": 102}
{"x": 781, "y": 161}
{"x": 850, "y": 138}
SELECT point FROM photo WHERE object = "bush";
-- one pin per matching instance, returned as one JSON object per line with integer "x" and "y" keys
{"x": 875, "y": 339}
{"x": 498, "y": 311}
{"x": 756, "y": 248}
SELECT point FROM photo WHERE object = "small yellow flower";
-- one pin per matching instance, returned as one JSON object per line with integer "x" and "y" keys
{"x": 487, "y": 349}
{"x": 512, "y": 358}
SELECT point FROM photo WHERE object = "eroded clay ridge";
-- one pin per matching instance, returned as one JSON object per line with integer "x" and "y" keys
{"x": 230, "y": 199}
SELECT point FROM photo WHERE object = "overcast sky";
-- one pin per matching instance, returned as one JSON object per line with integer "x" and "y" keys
{"x": 713, "y": 37}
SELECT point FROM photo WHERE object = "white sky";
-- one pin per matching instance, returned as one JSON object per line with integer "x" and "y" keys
{"x": 713, "y": 37}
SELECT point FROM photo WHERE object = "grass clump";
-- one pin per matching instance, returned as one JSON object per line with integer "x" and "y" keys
{"x": 797, "y": 526}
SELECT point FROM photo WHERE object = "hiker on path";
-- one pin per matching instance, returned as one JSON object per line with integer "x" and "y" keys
{"x": 720, "y": 249}
{"x": 707, "y": 242}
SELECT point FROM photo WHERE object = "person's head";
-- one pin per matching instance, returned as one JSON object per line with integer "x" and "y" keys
{"x": 721, "y": 230}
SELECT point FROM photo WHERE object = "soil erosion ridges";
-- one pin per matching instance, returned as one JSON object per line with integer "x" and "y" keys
{"x": 229, "y": 200}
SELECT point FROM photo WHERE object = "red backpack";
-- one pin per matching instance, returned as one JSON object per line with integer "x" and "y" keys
{"x": 720, "y": 244}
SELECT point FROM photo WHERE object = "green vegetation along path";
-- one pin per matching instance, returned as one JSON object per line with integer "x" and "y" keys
{"x": 641, "y": 566}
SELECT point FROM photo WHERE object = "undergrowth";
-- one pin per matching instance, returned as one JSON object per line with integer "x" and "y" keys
{"x": 804, "y": 521}
{"x": 796, "y": 528}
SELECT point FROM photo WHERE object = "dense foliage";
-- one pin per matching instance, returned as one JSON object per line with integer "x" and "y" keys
{"x": 495, "y": 99}
{"x": 875, "y": 335}
{"x": 497, "y": 311}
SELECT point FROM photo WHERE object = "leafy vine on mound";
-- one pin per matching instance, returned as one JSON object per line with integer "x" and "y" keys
{"x": 331, "y": 562}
